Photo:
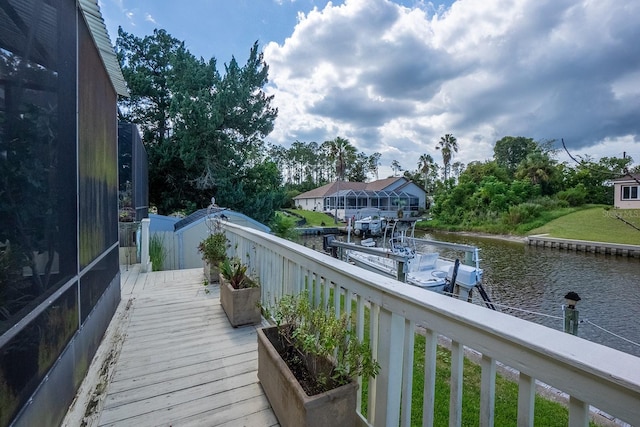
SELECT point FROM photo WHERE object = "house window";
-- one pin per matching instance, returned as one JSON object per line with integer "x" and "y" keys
{"x": 630, "y": 192}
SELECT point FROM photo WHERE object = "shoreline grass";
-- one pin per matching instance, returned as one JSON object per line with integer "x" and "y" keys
{"x": 596, "y": 224}
{"x": 314, "y": 219}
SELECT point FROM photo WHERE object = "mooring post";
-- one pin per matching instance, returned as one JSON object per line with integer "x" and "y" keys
{"x": 571, "y": 315}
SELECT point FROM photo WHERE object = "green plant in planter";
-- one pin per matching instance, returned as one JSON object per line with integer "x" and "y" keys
{"x": 324, "y": 343}
{"x": 214, "y": 248}
{"x": 235, "y": 272}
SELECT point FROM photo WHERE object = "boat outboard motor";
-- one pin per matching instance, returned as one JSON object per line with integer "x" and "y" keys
{"x": 451, "y": 285}
{"x": 326, "y": 245}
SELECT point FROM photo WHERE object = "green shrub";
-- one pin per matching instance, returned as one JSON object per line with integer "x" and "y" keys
{"x": 214, "y": 248}
{"x": 284, "y": 226}
{"x": 521, "y": 213}
{"x": 157, "y": 252}
{"x": 575, "y": 196}
{"x": 318, "y": 332}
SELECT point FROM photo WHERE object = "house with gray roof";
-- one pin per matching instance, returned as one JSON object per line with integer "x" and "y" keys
{"x": 345, "y": 199}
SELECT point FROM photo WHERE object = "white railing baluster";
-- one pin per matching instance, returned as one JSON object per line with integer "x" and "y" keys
{"x": 430, "y": 355}
{"x": 526, "y": 400}
{"x": 487, "y": 391}
{"x": 407, "y": 372}
{"x": 348, "y": 300}
{"x": 374, "y": 311}
{"x": 337, "y": 293}
{"x": 390, "y": 355}
{"x": 457, "y": 375}
{"x": 578, "y": 413}
{"x": 360, "y": 335}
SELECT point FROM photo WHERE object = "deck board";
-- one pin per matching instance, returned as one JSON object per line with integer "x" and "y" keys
{"x": 181, "y": 363}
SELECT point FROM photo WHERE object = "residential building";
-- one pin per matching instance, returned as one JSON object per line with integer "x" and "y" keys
{"x": 627, "y": 192}
{"x": 345, "y": 199}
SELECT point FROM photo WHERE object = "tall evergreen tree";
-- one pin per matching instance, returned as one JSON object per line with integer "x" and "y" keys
{"x": 204, "y": 132}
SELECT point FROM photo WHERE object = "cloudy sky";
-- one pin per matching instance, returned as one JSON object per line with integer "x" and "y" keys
{"x": 395, "y": 76}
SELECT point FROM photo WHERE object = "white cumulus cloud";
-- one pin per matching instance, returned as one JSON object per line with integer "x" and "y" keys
{"x": 395, "y": 79}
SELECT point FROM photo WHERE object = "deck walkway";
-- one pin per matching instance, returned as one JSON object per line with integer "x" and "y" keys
{"x": 170, "y": 358}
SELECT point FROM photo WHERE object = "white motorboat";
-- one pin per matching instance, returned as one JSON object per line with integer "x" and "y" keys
{"x": 419, "y": 260}
{"x": 369, "y": 222}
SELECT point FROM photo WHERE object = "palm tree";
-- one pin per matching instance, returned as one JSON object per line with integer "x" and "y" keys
{"x": 425, "y": 164}
{"x": 342, "y": 153}
{"x": 448, "y": 145}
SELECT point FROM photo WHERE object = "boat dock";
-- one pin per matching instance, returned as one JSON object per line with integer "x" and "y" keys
{"x": 318, "y": 231}
{"x": 545, "y": 241}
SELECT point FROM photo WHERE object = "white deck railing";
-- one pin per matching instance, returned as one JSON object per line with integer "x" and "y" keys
{"x": 590, "y": 374}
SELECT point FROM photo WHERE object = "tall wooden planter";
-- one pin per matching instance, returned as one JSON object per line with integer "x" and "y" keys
{"x": 291, "y": 405}
{"x": 241, "y": 305}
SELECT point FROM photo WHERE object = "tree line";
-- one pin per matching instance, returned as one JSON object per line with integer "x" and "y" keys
{"x": 205, "y": 132}
{"x": 307, "y": 165}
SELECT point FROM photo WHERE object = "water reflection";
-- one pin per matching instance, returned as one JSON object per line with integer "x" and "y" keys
{"x": 531, "y": 283}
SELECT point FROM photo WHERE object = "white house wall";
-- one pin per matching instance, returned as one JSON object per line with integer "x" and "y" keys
{"x": 617, "y": 197}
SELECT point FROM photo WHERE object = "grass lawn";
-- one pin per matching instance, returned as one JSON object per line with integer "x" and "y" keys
{"x": 546, "y": 412}
{"x": 596, "y": 224}
{"x": 314, "y": 219}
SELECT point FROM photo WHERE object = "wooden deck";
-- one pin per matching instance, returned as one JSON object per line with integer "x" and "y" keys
{"x": 180, "y": 362}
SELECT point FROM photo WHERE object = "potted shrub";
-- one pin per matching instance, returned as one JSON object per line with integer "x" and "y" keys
{"x": 308, "y": 364}
{"x": 214, "y": 251}
{"x": 239, "y": 293}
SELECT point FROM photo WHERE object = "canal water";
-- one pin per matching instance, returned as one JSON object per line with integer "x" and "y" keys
{"x": 531, "y": 283}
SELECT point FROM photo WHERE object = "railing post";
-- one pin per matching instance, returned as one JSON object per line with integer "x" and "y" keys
{"x": 389, "y": 380}
{"x": 145, "y": 260}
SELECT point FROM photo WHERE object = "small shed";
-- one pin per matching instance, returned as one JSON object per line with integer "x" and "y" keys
{"x": 181, "y": 236}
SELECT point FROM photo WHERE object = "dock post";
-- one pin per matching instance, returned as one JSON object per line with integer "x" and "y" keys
{"x": 571, "y": 315}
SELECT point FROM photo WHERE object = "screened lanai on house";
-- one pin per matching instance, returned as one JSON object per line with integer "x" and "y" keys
{"x": 349, "y": 202}
{"x": 353, "y": 200}
{"x": 345, "y": 199}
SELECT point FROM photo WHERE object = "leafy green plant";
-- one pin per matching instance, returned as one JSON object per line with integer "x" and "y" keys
{"x": 157, "y": 252}
{"x": 214, "y": 248}
{"x": 325, "y": 343}
{"x": 235, "y": 272}
{"x": 284, "y": 226}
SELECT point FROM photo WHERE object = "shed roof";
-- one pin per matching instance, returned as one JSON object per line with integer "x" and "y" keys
{"x": 201, "y": 215}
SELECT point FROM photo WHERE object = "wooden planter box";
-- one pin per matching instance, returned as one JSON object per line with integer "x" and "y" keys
{"x": 211, "y": 272}
{"x": 241, "y": 305}
{"x": 291, "y": 405}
